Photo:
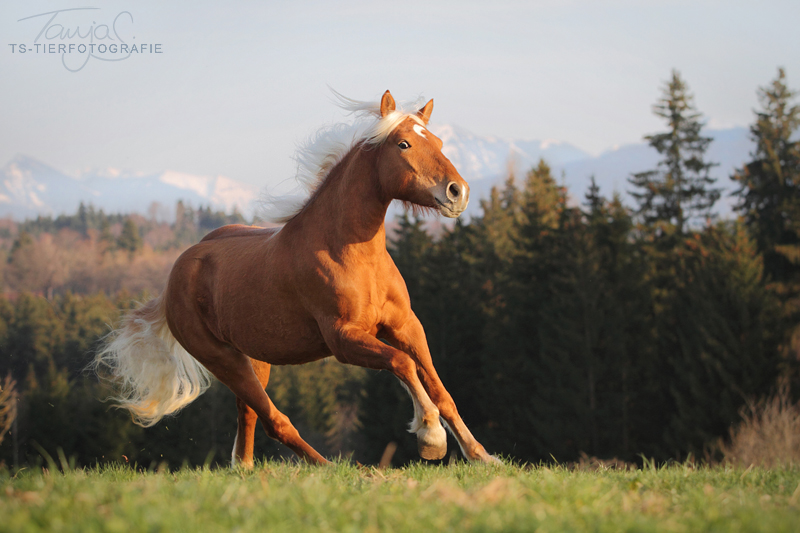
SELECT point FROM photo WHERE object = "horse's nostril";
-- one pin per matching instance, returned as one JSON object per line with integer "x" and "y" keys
{"x": 453, "y": 191}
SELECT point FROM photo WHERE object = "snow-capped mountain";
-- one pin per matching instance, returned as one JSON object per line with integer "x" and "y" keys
{"x": 485, "y": 161}
{"x": 29, "y": 187}
{"x": 478, "y": 157}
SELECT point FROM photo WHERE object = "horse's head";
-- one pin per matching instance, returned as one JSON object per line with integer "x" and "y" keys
{"x": 412, "y": 167}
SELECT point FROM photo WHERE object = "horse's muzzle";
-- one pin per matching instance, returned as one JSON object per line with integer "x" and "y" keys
{"x": 457, "y": 198}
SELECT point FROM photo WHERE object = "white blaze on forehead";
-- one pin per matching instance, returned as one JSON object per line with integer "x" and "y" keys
{"x": 419, "y": 130}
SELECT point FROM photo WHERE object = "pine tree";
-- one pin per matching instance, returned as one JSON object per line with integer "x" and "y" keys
{"x": 613, "y": 323}
{"x": 769, "y": 185}
{"x": 529, "y": 349}
{"x": 769, "y": 201}
{"x": 130, "y": 239}
{"x": 35, "y": 337}
{"x": 85, "y": 321}
{"x": 717, "y": 334}
{"x": 543, "y": 200}
{"x": 680, "y": 189}
{"x": 492, "y": 241}
{"x": 409, "y": 249}
{"x": 501, "y": 211}
{"x": 82, "y": 219}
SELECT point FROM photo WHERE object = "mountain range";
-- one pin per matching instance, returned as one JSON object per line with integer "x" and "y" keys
{"x": 29, "y": 187}
{"x": 486, "y": 161}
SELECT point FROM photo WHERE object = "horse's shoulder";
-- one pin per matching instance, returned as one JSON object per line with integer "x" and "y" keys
{"x": 238, "y": 230}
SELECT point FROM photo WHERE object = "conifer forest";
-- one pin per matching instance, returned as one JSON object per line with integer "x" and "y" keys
{"x": 564, "y": 323}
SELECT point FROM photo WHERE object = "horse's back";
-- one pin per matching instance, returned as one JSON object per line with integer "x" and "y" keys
{"x": 239, "y": 230}
{"x": 225, "y": 260}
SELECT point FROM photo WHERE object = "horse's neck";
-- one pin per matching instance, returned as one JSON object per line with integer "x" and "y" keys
{"x": 348, "y": 207}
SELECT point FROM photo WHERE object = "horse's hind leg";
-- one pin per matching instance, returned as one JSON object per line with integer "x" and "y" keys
{"x": 246, "y": 427}
{"x": 234, "y": 369}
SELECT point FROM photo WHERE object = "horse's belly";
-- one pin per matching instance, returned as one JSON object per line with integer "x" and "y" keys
{"x": 291, "y": 353}
{"x": 281, "y": 342}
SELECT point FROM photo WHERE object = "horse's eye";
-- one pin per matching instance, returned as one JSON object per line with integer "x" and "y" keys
{"x": 404, "y": 145}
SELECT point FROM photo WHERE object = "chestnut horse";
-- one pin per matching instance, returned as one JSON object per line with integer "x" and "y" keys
{"x": 245, "y": 298}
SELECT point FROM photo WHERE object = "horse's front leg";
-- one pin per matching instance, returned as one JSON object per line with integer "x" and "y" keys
{"x": 355, "y": 346}
{"x": 410, "y": 338}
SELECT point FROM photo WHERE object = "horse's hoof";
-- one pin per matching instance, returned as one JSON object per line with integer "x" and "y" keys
{"x": 432, "y": 442}
{"x": 479, "y": 454}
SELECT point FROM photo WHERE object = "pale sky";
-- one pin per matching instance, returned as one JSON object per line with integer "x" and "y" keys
{"x": 237, "y": 86}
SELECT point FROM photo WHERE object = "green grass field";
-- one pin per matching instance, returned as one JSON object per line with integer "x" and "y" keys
{"x": 461, "y": 497}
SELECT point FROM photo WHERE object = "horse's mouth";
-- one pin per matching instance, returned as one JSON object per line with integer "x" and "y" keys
{"x": 446, "y": 210}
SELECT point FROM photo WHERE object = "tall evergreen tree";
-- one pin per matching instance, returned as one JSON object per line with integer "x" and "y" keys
{"x": 85, "y": 321}
{"x": 680, "y": 189}
{"x": 130, "y": 239}
{"x": 493, "y": 242}
{"x": 717, "y": 334}
{"x": 82, "y": 219}
{"x": 769, "y": 185}
{"x": 410, "y": 248}
{"x": 501, "y": 212}
{"x": 769, "y": 201}
{"x": 533, "y": 385}
{"x": 35, "y": 337}
{"x": 614, "y": 324}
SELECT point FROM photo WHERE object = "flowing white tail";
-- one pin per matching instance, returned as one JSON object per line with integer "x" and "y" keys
{"x": 153, "y": 374}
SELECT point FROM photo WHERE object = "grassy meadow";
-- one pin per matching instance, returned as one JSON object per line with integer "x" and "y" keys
{"x": 284, "y": 496}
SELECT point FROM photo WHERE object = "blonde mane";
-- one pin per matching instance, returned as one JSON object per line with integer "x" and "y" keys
{"x": 317, "y": 156}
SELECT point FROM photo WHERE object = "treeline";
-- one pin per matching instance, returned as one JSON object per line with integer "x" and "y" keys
{"x": 92, "y": 251}
{"x": 560, "y": 325}
{"x": 190, "y": 223}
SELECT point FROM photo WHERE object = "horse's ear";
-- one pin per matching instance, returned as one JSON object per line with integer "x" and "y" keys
{"x": 425, "y": 112}
{"x": 387, "y": 104}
